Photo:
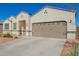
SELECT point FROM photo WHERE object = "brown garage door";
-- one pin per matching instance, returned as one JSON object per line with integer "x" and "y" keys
{"x": 50, "y": 29}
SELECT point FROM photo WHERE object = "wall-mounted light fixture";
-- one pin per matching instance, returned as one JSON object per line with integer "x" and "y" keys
{"x": 70, "y": 21}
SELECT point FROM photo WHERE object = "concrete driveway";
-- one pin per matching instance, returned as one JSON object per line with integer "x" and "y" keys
{"x": 32, "y": 46}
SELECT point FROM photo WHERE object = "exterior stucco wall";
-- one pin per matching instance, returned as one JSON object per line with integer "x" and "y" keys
{"x": 9, "y": 30}
{"x": 50, "y": 15}
{"x": 56, "y": 15}
{"x": 10, "y": 21}
{"x": 14, "y": 31}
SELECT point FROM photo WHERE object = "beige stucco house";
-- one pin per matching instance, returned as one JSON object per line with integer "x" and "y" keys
{"x": 7, "y": 25}
{"x": 48, "y": 22}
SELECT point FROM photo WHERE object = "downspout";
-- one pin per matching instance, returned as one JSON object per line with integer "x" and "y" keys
{"x": 29, "y": 26}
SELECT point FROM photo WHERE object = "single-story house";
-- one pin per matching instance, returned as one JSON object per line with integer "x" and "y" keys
{"x": 48, "y": 22}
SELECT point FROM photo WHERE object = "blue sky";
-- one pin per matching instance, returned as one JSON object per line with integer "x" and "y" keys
{"x": 12, "y": 9}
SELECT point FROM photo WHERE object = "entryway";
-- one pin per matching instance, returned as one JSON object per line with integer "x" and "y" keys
{"x": 22, "y": 27}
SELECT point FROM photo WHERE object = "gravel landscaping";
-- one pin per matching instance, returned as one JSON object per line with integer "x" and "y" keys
{"x": 4, "y": 40}
{"x": 71, "y": 48}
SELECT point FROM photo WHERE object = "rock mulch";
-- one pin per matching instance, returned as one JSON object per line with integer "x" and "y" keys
{"x": 4, "y": 40}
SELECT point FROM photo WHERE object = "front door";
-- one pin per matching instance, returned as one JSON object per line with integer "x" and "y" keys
{"x": 22, "y": 27}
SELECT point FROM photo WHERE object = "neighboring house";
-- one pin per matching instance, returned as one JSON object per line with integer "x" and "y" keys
{"x": 48, "y": 22}
{"x": 1, "y": 27}
{"x": 54, "y": 22}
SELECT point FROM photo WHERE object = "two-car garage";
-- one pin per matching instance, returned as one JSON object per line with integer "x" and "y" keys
{"x": 55, "y": 29}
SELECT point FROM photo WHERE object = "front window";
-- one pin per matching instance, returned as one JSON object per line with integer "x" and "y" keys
{"x": 14, "y": 25}
{"x": 7, "y": 26}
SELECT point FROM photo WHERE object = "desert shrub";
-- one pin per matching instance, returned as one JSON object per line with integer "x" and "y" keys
{"x": 8, "y": 35}
{"x": 75, "y": 51}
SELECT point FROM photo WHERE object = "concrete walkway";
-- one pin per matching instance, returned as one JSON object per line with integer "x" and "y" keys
{"x": 32, "y": 46}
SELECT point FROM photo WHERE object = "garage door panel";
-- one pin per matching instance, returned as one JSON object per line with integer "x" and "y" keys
{"x": 50, "y": 29}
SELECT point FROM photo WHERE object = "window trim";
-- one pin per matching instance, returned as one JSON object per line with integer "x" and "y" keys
{"x": 5, "y": 26}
